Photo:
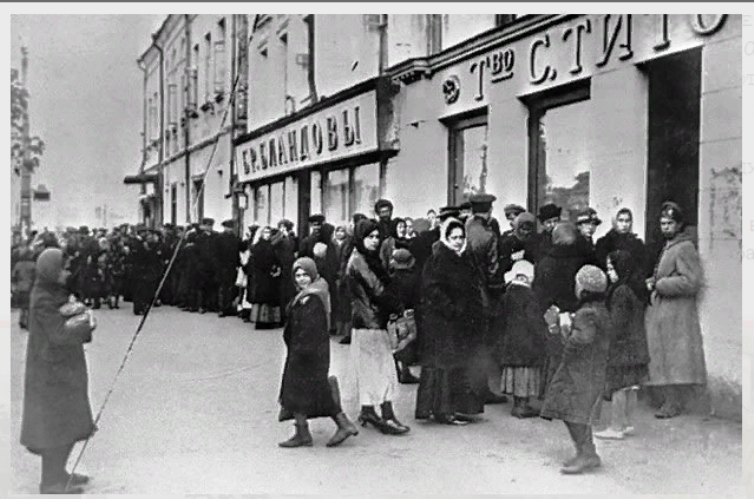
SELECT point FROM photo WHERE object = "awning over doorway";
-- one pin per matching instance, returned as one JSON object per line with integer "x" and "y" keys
{"x": 141, "y": 179}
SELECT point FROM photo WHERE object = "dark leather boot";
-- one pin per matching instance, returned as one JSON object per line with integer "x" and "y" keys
{"x": 391, "y": 425}
{"x": 302, "y": 438}
{"x": 345, "y": 429}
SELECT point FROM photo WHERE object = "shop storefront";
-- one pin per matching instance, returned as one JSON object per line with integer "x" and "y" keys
{"x": 606, "y": 111}
{"x": 330, "y": 158}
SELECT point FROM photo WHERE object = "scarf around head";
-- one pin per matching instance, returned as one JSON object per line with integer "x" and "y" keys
{"x": 372, "y": 258}
{"x": 49, "y": 266}
{"x": 318, "y": 286}
{"x": 447, "y": 226}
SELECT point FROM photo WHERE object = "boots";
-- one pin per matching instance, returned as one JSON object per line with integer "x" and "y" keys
{"x": 345, "y": 429}
{"x": 405, "y": 376}
{"x": 302, "y": 438}
{"x": 586, "y": 454}
{"x": 391, "y": 425}
{"x": 522, "y": 409}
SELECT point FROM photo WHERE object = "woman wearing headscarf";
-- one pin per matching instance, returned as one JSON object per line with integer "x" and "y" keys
{"x": 452, "y": 308}
{"x": 372, "y": 353}
{"x": 397, "y": 240}
{"x": 621, "y": 237}
{"x": 248, "y": 270}
{"x": 265, "y": 294}
{"x": 56, "y": 410}
{"x": 553, "y": 284}
{"x": 674, "y": 335}
{"x": 306, "y": 392}
{"x": 285, "y": 250}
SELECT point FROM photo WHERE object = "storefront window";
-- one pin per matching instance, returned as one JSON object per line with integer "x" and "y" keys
{"x": 315, "y": 201}
{"x": 366, "y": 186}
{"x": 559, "y": 135}
{"x": 277, "y": 202}
{"x": 337, "y": 196}
{"x": 290, "y": 209}
{"x": 261, "y": 196}
{"x": 468, "y": 159}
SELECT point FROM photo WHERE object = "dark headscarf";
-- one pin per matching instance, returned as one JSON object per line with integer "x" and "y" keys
{"x": 362, "y": 230}
{"x": 318, "y": 286}
{"x": 621, "y": 261}
{"x": 394, "y": 227}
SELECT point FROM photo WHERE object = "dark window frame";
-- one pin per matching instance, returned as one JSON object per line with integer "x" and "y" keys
{"x": 456, "y": 126}
{"x": 538, "y": 106}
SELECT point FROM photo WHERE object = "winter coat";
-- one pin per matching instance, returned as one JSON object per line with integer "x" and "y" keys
{"x": 554, "y": 277}
{"x": 405, "y": 286}
{"x": 629, "y": 338}
{"x": 56, "y": 408}
{"x": 23, "y": 275}
{"x": 371, "y": 303}
{"x": 264, "y": 285}
{"x": 421, "y": 247}
{"x": 285, "y": 251}
{"x": 672, "y": 320}
{"x": 630, "y": 243}
{"x": 226, "y": 255}
{"x": 305, "y": 388}
{"x": 483, "y": 246}
{"x": 451, "y": 310}
{"x": 575, "y": 391}
{"x": 523, "y": 342}
{"x": 389, "y": 245}
{"x": 510, "y": 244}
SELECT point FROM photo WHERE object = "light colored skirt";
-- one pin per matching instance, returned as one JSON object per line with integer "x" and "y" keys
{"x": 522, "y": 381}
{"x": 373, "y": 366}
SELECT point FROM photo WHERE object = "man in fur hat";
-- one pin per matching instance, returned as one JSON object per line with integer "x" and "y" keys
{"x": 383, "y": 209}
{"x": 549, "y": 217}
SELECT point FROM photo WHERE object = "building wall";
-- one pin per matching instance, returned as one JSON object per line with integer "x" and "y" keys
{"x": 616, "y": 140}
{"x": 153, "y": 109}
{"x": 720, "y": 240}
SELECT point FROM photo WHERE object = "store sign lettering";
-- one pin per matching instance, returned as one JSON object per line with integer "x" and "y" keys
{"x": 613, "y": 33}
{"x": 304, "y": 143}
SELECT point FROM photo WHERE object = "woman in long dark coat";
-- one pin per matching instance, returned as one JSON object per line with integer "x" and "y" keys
{"x": 265, "y": 294}
{"x": 306, "y": 392}
{"x": 56, "y": 411}
{"x": 452, "y": 310}
{"x": 285, "y": 250}
{"x": 553, "y": 284}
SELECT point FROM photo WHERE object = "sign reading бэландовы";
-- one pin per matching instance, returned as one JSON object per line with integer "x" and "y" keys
{"x": 343, "y": 130}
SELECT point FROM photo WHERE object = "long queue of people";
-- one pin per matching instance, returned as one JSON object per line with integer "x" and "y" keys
{"x": 551, "y": 316}
{"x": 544, "y": 316}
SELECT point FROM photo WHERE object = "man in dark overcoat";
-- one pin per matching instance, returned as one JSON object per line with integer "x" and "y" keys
{"x": 227, "y": 262}
{"x": 207, "y": 265}
{"x": 383, "y": 209}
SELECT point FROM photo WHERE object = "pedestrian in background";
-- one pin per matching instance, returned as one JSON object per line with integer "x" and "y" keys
{"x": 265, "y": 290}
{"x": 372, "y": 353}
{"x": 22, "y": 280}
{"x": 579, "y": 382}
{"x": 404, "y": 284}
{"x": 56, "y": 408}
{"x": 306, "y": 392}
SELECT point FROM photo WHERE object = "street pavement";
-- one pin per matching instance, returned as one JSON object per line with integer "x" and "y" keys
{"x": 195, "y": 412}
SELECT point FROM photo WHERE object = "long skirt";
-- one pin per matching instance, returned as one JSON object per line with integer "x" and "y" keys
{"x": 522, "y": 381}
{"x": 374, "y": 367}
{"x": 266, "y": 315}
{"x": 446, "y": 392}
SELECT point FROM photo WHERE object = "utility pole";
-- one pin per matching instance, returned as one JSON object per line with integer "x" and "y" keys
{"x": 26, "y": 165}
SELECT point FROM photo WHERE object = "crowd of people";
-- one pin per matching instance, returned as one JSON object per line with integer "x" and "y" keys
{"x": 550, "y": 318}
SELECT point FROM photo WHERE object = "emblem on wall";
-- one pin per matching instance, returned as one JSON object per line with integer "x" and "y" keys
{"x": 451, "y": 88}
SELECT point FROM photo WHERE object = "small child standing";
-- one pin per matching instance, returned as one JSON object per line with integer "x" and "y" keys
{"x": 523, "y": 346}
{"x": 629, "y": 354}
{"x": 404, "y": 285}
{"x": 578, "y": 384}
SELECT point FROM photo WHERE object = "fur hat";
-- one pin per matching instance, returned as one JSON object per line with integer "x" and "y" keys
{"x": 549, "y": 211}
{"x": 592, "y": 279}
{"x": 587, "y": 215}
{"x": 513, "y": 209}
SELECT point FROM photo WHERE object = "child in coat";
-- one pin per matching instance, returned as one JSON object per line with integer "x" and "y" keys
{"x": 579, "y": 381}
{"x": 404, "y": 285}
{"x": 523, "y": 348}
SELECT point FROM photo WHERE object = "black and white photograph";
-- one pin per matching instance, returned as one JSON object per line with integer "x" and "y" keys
{"x": 356, "y": 254}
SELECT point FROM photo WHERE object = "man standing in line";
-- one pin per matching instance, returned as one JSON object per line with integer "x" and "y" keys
{"x": 227, "y": 260}
{"x": 483, "y": 244}
{"x": 384, "y": 211}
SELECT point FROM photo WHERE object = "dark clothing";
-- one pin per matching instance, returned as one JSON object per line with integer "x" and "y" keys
{"x": 56, "y": 408}
{"x": 285, "y": 251}
{"x": 576, "y": 389}
{"x": 264, "y": 285}
{"x": 305, "y": 388}
{"x": 371, "y": 304}
{"x": 452, "y": 315}
{"x": 614, "y": 241}
{"x": 629, "y": 338}
{"x": 404, "y": 284}
{"x": 523, "y": 343}
{"x": 227, "y": 261}
{"x": 510, "y": 244}
{"x": 421, "y": 247}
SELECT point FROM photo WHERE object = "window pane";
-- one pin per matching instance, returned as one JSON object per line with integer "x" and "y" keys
{"x": 564, "y": 158}
{"x": 291, "y": 199}
{"x": 277, "y": 198}
{"x": 366, "y": 184}
{"x": 316, "y": 194}
{"x": 262, "y": 208}
{"x": 337, "y": 197}
{"x": 474, "y": 160}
